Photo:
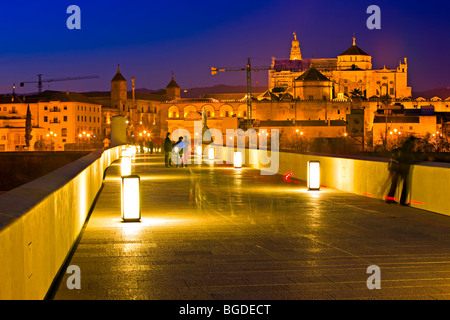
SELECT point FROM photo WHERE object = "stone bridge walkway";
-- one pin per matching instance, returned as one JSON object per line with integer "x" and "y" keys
{"x": 215, "y": 232}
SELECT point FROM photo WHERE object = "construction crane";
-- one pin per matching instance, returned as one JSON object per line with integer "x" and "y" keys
{"x": 41, "y": 81}
{"x": 249, "y": 70}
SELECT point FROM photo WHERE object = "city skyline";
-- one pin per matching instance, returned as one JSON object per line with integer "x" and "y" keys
{"x": 150, "y": 41}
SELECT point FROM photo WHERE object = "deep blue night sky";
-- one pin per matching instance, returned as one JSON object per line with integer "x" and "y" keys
{"x": 150, "y": 39}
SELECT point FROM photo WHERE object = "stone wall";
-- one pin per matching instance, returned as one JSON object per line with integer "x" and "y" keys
{"x": 41, "y": 221}
{"x": 429, "y": 181}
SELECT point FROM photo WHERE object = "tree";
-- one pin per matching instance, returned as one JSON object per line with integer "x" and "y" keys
{"x": 44, "y": 145}
{"x": 385, "y": 100}
{"x": 28, "y": 128}
{"x": 357, "y": 95}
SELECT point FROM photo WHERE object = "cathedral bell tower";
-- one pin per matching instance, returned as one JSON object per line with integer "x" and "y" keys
{"x": 296, "y": 53}
{"x": 173, "y": 90}
{"x": 119, "y": 91}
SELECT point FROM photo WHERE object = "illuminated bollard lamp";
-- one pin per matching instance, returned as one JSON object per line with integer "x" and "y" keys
{"x": 313, "y": 175}
{"x": 237, "y": 159}
{"x": 125, "y": 165}
{"x": 199, "y": 151}
{"x": 131, "y": 206}
{"x": 211, "y": 154}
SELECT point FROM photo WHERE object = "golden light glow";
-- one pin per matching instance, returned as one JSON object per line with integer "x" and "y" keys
{"x": 131, "y": 210}
{"x": 125, "y": 166}
{"x": 313, "y": 175}
{"x": 211, "y": 154}
{"x": 199, "y": 150}
{"x": 237, "y": 159}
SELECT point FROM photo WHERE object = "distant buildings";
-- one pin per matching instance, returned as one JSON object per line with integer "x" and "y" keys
{"x": 58, "y": 118}
{"x": 392, "y": 123}
{"x": 319, "y": 98}
{"x": 352, "y": 69}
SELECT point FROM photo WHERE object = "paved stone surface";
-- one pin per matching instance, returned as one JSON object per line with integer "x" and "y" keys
{"x": 215, "y": 232}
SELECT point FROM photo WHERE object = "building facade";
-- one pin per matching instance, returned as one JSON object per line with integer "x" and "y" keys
{"x": 58, "y": 118}
{"x": 350, "y": 70}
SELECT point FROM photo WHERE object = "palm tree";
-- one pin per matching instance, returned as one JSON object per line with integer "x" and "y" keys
{"x": 356, "y": 95}
{"x": 385, "y": 100}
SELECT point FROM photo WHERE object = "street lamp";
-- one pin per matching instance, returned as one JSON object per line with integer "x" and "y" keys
{"x": 237, "y": 159}
{"x": 125, "y": 165}
{"x": 313, "y": 175}
{"x": 131, "y": 207}
{"x": 211, "y": 154}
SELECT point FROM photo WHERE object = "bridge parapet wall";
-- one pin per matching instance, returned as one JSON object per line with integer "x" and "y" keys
{"x": 429, "y": 181}
{"x": 40, "y": 222}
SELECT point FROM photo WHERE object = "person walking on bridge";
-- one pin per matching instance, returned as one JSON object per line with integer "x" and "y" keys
{"x": 179, "y": 150}
{"x": 399, "y": 167}
{"x": 168, "y": 151}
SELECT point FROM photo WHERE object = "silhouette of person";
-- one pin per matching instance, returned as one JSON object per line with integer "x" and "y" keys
{"x": 168, "y": 151}
{"x": 179, "y": 152}
{"x": 399, "y": 167}
{"x": 150, "y": 146}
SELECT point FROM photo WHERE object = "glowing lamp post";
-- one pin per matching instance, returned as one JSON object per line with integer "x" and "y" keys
{"x": 237, "y": 159}
{"x": 313, "y": 175}
{"x": 125, "y": 166}
{"x": 131, "y": 207}
{"x": 211, "y": 154}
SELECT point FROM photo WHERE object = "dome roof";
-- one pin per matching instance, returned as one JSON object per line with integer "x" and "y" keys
{"x": 312, "y": 74}
{"x": 354, "y": 50}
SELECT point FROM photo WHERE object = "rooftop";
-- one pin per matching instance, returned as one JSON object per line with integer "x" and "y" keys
{"x": 354, "y": 50}
{"x": 312, "y": 74}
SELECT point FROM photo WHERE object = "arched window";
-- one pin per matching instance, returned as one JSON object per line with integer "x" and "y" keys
{"x": 226, "y": 111}
{"x": 209, "y": 110}
{"x": 174, "y": 112}
{"x": 242, "y": 111}
{"x": 189, "y": 109}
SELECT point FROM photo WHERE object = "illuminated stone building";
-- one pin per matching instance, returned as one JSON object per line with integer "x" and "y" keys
{"x": 141, "y": 109}
{"x": 393, "y": 123}
{"x": 59, "y": 117}
{"x": 352, "y": 69}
